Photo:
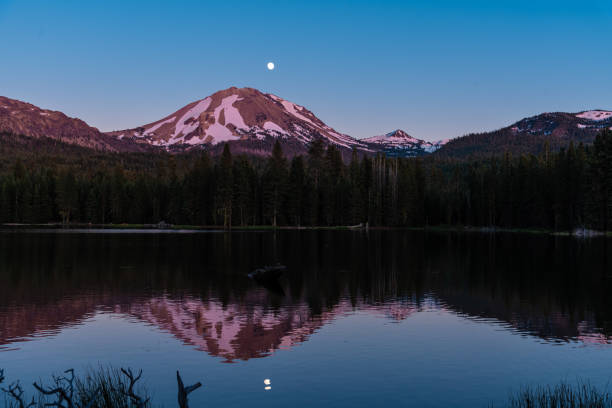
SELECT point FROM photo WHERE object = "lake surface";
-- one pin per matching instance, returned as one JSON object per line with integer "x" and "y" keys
{"x": 408, "y": 318}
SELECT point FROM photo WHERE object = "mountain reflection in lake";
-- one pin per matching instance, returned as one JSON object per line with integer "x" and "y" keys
{"x": 469, "y": 308}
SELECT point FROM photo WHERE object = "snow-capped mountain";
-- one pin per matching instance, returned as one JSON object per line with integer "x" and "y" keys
{"x": 533, "y": 134}
{"x": 251, "y": 121}
{"x": 24, "y": 119}
{"x": 561, "y": 124}
{"x": 237, "y": 115}
{"x": 400, "y": 143}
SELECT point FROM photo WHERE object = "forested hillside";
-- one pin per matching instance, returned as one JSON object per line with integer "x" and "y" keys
{"x": 560, "y": 191}
{"x": 533, "y": 135}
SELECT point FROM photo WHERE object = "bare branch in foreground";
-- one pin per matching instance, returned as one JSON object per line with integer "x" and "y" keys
{"x": 16, "y": 392}
{"x": 183, "y": 392}
{"x": 136, "y": 400}
{"x": 63, "y": 393}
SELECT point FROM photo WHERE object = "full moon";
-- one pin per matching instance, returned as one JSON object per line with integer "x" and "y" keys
{"x": 270, "y": 66}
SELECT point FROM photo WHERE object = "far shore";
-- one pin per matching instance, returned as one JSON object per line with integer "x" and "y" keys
{"x": 578, "y": 233}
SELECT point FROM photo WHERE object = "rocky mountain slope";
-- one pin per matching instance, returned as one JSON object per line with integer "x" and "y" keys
{"x": 21, "y": 118}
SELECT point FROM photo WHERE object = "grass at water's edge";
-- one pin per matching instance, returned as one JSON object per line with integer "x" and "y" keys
{"x": 562, "y": 395}
{"x": 107, "y": 387}
{"x": 176, "y": 227}
{"x": 103, "y": 387}
{"x": 581, "y": 233}
{"x": 537, "y": 231}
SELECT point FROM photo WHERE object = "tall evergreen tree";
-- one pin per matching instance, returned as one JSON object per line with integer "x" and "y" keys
{"x": 296, "y": 191}
{"x": 225, "y": 187}
{"x": 67, "y": 195}
{"x": 601, "y": 181}
{"x": 274, "y": 184}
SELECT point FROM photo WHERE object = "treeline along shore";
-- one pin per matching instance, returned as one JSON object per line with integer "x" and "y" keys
{"x": 560, "y": 191}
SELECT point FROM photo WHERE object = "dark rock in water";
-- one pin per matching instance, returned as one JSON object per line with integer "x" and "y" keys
{"x": 163, "y": 225}
{"x": 267, "y": 273}
{"x": 273, "y": 286}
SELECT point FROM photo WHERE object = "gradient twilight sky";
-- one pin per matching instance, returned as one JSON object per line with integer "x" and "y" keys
{"x": 434, "y": 68}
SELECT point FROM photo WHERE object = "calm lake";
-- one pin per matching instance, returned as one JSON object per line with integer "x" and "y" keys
{"x": 408, "y": 318}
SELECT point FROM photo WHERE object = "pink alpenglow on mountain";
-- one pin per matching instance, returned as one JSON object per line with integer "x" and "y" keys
{"x": 24, "y": 119}
{"x": 401, "y": 143}
{"x": 252, "y": 121}
{"x": 237, "y": 114}
{"x": 595, "y": 115}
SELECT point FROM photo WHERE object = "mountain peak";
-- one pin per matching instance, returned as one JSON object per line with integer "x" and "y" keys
{"x": 399, "y": 133}
{"x": 400, "y": 143}
{"x": 396, "y": 136}
{"x": 236, "y": 114}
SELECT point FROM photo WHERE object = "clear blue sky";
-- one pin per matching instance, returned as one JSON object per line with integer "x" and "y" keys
{"x": 436, "y": 69}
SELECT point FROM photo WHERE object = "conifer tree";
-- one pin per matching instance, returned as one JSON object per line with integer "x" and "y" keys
{"x": 225, "y": 187}
{"x": 296, "y": 191}
{"x": 274, "y": 184}
{"x": 67, "y": 196}
{"x": 601, "y": 181}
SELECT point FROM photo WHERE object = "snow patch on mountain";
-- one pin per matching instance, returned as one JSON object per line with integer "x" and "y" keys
{"x": 290, "y": 107}
{"x": 220, "y": 133}
{"x": 186, "y": 128}
{"x": 231, "y": 114}
{"x": 595, "y": 115}
{"x": 273, "y": 126}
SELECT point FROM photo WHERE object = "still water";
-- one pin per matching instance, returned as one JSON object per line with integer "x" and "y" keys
{"x": 405, "y": 318}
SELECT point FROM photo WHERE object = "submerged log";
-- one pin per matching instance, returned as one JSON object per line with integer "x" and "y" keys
{"x": 267, "y": 273}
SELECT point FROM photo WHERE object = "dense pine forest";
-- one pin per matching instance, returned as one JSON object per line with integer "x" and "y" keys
{"x": 561, "y": 191}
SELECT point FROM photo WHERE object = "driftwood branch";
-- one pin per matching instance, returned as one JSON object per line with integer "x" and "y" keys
{"x": 59, "y": 392}
{"x": 64, "y": 393}
{"x": 16, "y": 392}
{"x": 136, "y": 400}
{"x": 183, "y": 392}
{"x": 70, "y": 381}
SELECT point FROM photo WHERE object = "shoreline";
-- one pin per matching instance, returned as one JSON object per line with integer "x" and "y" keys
{"x": 577, "y": 233}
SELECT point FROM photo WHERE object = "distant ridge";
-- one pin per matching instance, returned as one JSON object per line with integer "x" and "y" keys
{"x": 531, "y": 135}
{"x": 400, "y": 144}
{"x": 22, "y": 118}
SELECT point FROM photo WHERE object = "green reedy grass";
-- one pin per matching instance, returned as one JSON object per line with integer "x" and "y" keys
{"x": 562, "y": 395}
